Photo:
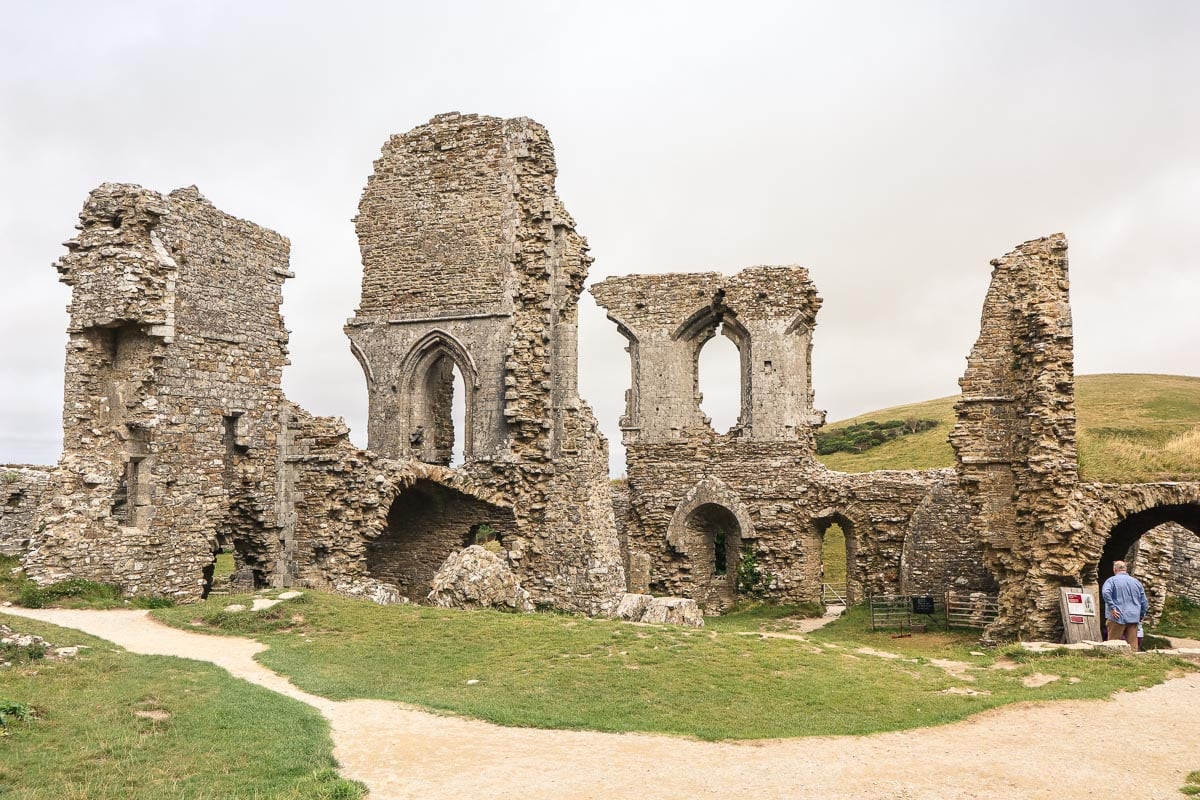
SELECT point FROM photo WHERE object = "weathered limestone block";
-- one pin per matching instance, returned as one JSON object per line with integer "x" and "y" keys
{"x": 633, "y": 607}
{"x": 673, "y": 611}
{"x": 478, "y": 578}
{"x": 378, "y": 592}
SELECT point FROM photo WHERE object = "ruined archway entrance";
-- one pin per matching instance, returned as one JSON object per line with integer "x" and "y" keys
{"x": 1156, "y": 543}
{"x": 838, "y": 556}
{"x": 713, "y": 541}
{"x": 426, "y": 523}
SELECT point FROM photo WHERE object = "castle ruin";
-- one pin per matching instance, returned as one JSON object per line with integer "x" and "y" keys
{"x": 178, "y": 438}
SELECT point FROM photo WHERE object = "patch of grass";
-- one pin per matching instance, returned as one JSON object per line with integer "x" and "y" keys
{"x": 1180, "y": 617}
{"x": 860, "y": 437}
{"x": 111, "y": 724}
{"x": 224, "y": 566}
{"x": 1131, "y": 428}
{"x": 1191, "y": 783}
{"x": 71, "y": 593}
{"x": 557, "y": 671}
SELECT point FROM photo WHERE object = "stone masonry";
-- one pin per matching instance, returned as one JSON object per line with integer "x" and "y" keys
{"x": 702, "y": 503}
{"x": 473, "y": 197}
{"x": 170, "y": 418}
{"x": 178, "y": 438}
{"x": 1041, "y": 528}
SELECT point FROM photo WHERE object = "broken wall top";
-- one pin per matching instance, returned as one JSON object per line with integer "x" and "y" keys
{"x": 443, "y": 220}
{"x": 649, "y": 304}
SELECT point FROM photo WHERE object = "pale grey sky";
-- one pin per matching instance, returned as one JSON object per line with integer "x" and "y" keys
{"x": 891, "y": 148}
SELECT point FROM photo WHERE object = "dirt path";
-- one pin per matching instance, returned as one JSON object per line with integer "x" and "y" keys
{"x": 1030, "y": 750}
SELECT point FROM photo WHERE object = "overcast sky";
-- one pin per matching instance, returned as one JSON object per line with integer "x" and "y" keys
{"x": 892, "y": 148}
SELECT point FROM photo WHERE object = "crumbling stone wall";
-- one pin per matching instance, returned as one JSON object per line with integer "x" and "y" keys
{"x": 942, "y": 551}
{"x": 701, "y": 501}
{"x": 1015, "y": 447}
{"x": 1167, "y": 562}
{"x": 21, "y": 490}
{"x": 170, "y": 415}
{"x": 471, "y": 261}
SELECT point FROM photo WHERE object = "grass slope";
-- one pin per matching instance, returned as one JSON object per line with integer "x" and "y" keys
{"x": 1131, "y": 428}
{"x": 111, "y": 724}
{"x": 555, "y": 671}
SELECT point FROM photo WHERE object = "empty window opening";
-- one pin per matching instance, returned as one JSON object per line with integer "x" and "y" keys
{"x": 840, "y": 582}
{"x": 719, "y": 382}
{"x": 440, "y": 433}
{"x": 458, "y": 419}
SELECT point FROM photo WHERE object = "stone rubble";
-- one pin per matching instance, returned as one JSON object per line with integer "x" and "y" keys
{"x": 478, "y": 578}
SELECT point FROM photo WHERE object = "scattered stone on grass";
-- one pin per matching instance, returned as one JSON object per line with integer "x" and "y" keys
{"x": 1038, "y": 679}
{"x": 378, "y": 592}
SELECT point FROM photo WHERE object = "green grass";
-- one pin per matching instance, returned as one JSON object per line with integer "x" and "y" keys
{"x": 224, "y": 566}
{"x": 1180, "y": 617}
{"x": 1192, "y": 785}
{"x": 1131, "y": 428}
{"x": 109, "y": 724}
{"x": 558, "y": 671}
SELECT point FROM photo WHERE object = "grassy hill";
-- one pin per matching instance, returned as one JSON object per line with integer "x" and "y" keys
{"x": 1132, "y": 428}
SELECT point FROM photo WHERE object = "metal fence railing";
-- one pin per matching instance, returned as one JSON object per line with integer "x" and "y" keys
{"x": 971, "y": 609}
{"x": 833, "y": 595}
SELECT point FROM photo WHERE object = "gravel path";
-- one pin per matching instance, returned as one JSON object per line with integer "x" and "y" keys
{"x": 1028, "y": 750}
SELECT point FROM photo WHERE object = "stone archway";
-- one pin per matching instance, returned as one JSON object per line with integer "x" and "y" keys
{"x": 427, "y": 523}
{"x": 709, "y": 531}
{"x": 1166, "y": 574}
{"x": 824, "y": 525}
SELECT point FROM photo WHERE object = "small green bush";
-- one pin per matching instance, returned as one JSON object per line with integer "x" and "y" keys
{"x": 21, "y": 655}
{"x": 752, "y": 582}
{"x": 862, "y": 436}
{"x": 9, "y": 477}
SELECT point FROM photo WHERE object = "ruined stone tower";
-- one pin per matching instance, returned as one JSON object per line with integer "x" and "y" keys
{"x": 471, "y": 263}
{"x": 172, "y": 396}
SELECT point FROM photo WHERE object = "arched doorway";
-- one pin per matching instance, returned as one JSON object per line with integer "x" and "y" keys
{"x": 1159, "y": 579}
{"x": 439, "y": 382}
{"x": 838, "y": 554}
{"x": 713, "y": 541}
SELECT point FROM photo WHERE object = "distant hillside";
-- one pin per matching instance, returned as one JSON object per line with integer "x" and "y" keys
{"x": 1132, "y": 428}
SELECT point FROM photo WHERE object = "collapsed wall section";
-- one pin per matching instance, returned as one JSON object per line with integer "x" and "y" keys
{"x": 172, "y": 395}
{"x": 22, "y": 489}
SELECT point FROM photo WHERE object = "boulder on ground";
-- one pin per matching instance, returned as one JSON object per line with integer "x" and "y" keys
{"x": 477, "y": 578}
{"x": 661, "y": 610}
{"x": 378, "y": 592}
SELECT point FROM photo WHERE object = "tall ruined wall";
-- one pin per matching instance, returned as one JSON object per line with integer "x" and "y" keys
{"x": 470, "y": 261}
{"x": 22, "y": 488}
{"x": 170, "y": 418}
{"x": 1167, "y": 562}
{"x": 1015, "y": 435}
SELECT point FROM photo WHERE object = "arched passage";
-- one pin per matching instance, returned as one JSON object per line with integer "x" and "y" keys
{"x": 707, "y": 535}
{"x": 714, "y": 544}
{"x": 426, "y": 523}
{"x": 837, "y": 540}
{"x": 1121, "y": 545}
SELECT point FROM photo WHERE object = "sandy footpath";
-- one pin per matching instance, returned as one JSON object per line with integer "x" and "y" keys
{"x": 1029, "y": 750}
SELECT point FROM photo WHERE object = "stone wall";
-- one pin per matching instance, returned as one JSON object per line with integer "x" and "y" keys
{"x": 22, "y": 488}
{"x": 470, "y": 261}
{"x": 170, "y": 415}
{"x": 1167, "y": 562}
{"x": 1015, "y": 445}
{"x": 701, "y": 501}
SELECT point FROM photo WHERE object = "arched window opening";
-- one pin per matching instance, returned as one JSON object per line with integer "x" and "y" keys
{"x": 719, "y": 381}
{"x": 440, "y": 433}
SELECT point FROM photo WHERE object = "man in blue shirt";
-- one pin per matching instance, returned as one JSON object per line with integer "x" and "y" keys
{"x": 1124, "y": 605}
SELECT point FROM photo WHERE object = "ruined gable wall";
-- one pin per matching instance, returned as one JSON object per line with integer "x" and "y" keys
{"x": 172, "y": 389}
{"x": 764, "y": 471}
{"x": 465, "y": 208}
